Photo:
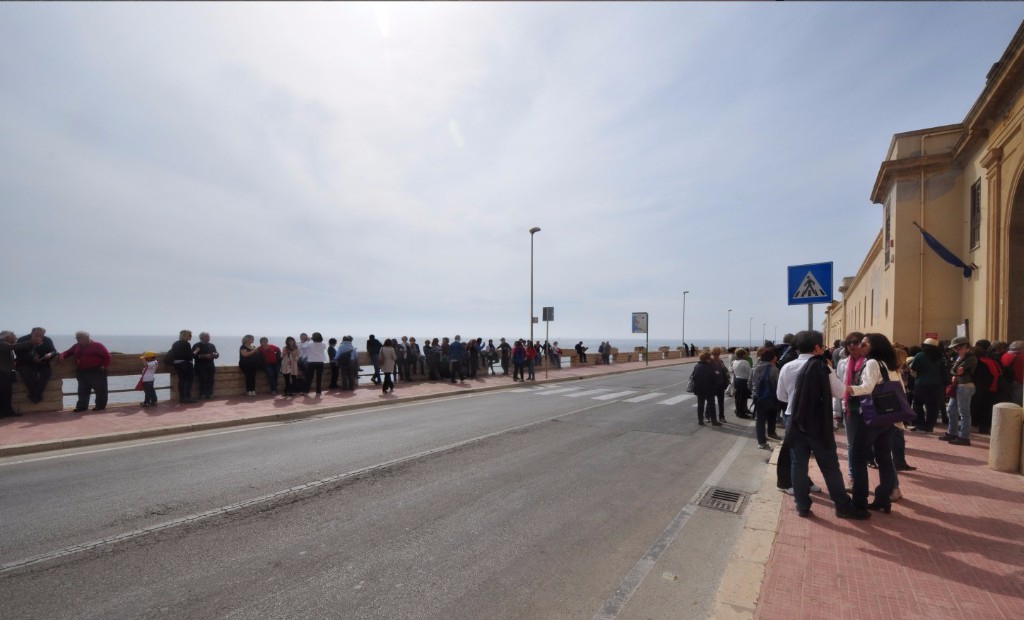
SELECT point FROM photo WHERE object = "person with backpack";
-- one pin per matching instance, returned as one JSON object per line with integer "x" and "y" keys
{"x": 986, "y": 384}
{"x": 765, "y": 379}
{"x": 705, "y": 386}
{"x": 1013, "y": 369}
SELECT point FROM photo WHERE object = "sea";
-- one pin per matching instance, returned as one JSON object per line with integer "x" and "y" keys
{"x": 228, "y": 347}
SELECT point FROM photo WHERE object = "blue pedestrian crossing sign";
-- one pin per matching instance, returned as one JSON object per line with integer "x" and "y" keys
{"x": 810, "y": 284}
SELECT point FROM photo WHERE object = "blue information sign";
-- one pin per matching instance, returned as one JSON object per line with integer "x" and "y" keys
{"x": 810, "y": 284}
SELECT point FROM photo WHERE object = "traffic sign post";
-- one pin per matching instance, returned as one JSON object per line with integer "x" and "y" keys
{"x": 809, "y": 284}
{"x": 549, "y": 315}
{"x": 640, "y": 327}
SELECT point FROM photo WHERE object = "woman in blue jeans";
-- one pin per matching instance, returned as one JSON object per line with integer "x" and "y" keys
{"x": 880, "y": 365}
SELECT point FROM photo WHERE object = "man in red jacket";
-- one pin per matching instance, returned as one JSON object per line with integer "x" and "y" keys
{"x": 91, "y": 362}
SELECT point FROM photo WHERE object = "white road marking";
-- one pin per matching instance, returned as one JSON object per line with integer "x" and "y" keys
{"x": 557, "y": 391}
{"x": 587, "y": 393}
{"x": 615, "y": 395}
{"x": 676, "y": 399}
{"x": 643, "y": 397}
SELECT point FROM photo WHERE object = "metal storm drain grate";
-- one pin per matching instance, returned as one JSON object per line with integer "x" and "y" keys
{"x": 723, "y": 499}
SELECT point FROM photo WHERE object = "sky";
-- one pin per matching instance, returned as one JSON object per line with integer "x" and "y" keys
{"x": 376, "y": 168}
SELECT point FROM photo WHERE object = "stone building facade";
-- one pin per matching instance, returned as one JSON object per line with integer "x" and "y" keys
{"x": 964, "y": 184}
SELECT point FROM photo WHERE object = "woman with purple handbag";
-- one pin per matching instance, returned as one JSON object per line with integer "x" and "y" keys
{"x": 871, "y": 420}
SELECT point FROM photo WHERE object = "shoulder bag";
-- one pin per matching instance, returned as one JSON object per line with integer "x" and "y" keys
{"x": 887, "y": 404}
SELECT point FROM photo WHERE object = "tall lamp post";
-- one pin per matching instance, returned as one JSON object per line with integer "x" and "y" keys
{"x": 776, "y": 340}
{"x": 533, "y": 231}
{"x": 684, "y": 322}
{"x": 763, "y": 327}
{"x": 750, "y": 333}
{"x": 728, "y": 330}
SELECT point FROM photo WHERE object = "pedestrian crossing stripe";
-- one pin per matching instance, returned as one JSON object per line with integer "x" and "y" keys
{"x": 643, "y": 397}
{"x": 676, "y": 399}
{"x": 615, "y": 395}
{"x": 587, "y": 393}
{"x": 556, "y": 391}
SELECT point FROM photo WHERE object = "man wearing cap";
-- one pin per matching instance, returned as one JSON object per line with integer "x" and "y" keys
{"x": 959, "y": 409}
{"x": 929, "y": 385}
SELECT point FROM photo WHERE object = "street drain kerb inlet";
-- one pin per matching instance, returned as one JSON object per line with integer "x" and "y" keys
{"x": 726, "y": 500}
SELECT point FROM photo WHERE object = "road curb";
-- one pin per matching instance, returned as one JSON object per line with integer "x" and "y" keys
{"x": 740, "y": 587}
{"x": 107, "y": 438}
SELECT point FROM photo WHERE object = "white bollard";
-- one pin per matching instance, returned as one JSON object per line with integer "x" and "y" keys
{"x": 1004, "y": 453}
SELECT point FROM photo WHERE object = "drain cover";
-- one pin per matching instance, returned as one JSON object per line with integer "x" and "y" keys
{"x": 723, "y": 499}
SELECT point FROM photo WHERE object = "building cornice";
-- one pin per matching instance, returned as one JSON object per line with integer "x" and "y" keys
{"x": 891, "y": 170}
{"x": 1003, "y": 86}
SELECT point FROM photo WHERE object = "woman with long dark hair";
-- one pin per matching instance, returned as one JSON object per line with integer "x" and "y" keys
{"x": 879, "y": 366}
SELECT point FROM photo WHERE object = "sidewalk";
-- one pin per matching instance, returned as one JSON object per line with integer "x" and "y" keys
{"x": 39, "y": 432}
{"x": 952, "y": 547}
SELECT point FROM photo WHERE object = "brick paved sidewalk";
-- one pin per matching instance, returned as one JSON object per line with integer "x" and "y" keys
{"x": 38, "y": 432}
{"x": 952, "y": 548}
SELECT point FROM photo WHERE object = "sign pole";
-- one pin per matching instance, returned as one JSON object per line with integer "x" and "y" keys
{"x": 647, "y": 356}
{"x": 547, "y": 346}
{"x": 810, "y": 317}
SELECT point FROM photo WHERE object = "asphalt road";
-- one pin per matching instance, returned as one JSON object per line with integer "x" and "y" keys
{"x": 575, "y": 500}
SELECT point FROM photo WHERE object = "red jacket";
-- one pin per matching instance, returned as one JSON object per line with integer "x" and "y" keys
{"x": 92, "y": 355}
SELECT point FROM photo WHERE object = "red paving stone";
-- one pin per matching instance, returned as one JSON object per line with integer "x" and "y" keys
{"x": 38, "y": 431}
{"x": 952, "y": 547}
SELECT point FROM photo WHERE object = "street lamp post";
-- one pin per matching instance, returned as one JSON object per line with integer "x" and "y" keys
{"x": 750, "y": 333}
{"x": 763, "y": 327}
{"x": 728, "y": 330}
{"x": 533, "y": 231}
{"x": 776, "y": 340}
{"x": 684, "y": 322}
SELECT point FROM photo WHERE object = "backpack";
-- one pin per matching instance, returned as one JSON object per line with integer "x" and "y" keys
{"x": 1006, "y": 379}
{"x": 987, "y": 366}
{"x": 763, "y": 394}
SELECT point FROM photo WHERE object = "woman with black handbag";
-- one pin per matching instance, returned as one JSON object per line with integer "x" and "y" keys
{"x": 881, "y": 361}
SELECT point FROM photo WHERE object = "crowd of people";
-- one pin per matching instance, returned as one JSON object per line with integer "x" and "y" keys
{"x": 304, "y": 366}
{"x": 813, "y": 392}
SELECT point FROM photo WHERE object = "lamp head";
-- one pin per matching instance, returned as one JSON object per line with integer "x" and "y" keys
{"x": 534, "y": 230}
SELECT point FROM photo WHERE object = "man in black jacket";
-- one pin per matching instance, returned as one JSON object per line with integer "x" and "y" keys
{"x": 808, "y": 385}
{"x": 34, "y": 363}
{"x": 373, "y": 350}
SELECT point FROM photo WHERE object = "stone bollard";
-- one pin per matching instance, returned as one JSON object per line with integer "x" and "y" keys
{"x": 1004, "y": 452}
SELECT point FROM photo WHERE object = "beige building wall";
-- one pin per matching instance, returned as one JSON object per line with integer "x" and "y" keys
{"x": 927, "y": 177}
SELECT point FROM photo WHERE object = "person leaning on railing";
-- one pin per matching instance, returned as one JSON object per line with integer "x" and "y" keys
{"x": 9, "y": 345}
{"x": 91, "y": 362}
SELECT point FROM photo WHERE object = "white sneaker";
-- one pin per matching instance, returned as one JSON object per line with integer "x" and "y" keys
{"x": 815, "y": 488}
{"x": 788, "y": 491}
